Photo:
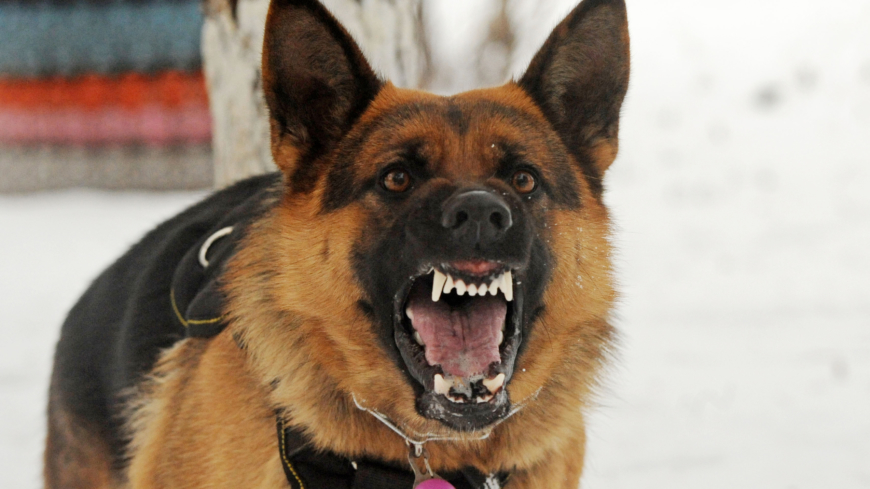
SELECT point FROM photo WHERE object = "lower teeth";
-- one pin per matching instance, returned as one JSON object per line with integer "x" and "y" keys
{"x": 459, "y": 389}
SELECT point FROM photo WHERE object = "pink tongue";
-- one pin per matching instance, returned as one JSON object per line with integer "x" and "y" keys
{"x": 463, "y": 341}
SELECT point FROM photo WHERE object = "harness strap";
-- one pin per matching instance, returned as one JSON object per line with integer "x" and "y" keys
{"x": 196, "y": 294}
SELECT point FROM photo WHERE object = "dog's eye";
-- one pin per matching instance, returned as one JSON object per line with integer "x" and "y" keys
{"x": 397, "y": 180}
{"x": 524, "y": 182}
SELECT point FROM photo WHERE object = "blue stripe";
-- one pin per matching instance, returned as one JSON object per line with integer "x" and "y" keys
{"x": 40, "y": 39}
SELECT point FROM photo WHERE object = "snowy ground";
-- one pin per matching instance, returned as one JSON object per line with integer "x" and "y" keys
{"x": 742, "y": 198}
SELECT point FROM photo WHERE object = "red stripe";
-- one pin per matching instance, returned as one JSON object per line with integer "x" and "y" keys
{"x": 131, "y": 91}
{"x": 168, "y": 107}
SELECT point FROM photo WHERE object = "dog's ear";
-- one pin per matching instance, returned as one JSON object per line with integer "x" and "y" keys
{"x": 579, "y": 79}
{"x": 315, "y": 79}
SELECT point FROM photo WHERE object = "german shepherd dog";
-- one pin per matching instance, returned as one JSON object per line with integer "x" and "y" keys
{"x": 421, "y": 297}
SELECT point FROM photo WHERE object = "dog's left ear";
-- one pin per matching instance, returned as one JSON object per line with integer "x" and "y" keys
{"x": 316, "y": 82}
{"x": 579, "y": 79}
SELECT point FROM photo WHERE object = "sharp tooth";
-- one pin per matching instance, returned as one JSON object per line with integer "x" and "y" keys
{"x": 493, "y": 287}
{"x": 485, "y": 398}
{"x": 448, "y": 286}
{"x": 472, "y": 289}
{"x": 501, "y": 337}
{"x": 438, "y": 285}
{"x": 441, "y": 385}
{"x": 409, "y": 313}
{"x": 460, "y": 287}
{"x": 507, "y": 286}
{"x": 481, "y": 291}
{"x": 494, "y": 384}
{"x": 418, "y": 338}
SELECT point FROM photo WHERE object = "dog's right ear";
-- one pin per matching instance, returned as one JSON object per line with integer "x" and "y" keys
{"x": 316, "y": 83}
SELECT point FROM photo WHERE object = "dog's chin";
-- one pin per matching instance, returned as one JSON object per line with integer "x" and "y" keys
{"x": 460, "y": 342}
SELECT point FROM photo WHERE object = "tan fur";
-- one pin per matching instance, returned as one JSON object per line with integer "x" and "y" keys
{"x": 299, "y": 340}
{"x": 207, "y": 418}
{"x": 204, "y": 422}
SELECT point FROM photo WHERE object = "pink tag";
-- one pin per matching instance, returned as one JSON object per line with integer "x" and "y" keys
{"x": 435, "y": 484}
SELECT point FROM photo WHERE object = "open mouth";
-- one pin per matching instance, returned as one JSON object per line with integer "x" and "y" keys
{"x": 457, "y": 329}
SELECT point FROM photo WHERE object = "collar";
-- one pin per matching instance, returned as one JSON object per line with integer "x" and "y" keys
{"x": 308, "y": 468}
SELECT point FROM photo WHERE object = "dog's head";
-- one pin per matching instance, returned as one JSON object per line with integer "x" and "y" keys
{"x": 438, "y": 258}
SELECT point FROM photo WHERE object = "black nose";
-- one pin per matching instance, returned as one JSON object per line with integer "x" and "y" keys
{"x": 476, "y": 217}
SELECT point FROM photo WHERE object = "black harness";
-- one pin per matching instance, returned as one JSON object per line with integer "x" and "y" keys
{"x": 197, "y": 302}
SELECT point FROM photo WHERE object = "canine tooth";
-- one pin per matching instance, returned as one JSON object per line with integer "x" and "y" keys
{"x": 418, "y": 338}
{"x": 494, "y": 384}
{"x": 438, "y": 285}
{"x": 448, "y": 286}
{"x": 472, "y": 289}
{"x": 460, "y": 287}
{"x": 481, "y": 291}
{"x": 441, "y": 385}
{"x": 507, "y": 286}
{"x": 409, "y": 313}
{"x": 501, "y": 337}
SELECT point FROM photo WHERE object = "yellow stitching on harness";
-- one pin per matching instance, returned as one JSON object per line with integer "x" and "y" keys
{"x": 188, "y": 322}
{"x": 205, "y": 321}
{"x": 175, "y": 308}
{"x": 284, "y": 455}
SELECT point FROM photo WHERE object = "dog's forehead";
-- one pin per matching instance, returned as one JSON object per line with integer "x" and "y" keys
{"x": 460, "y": 136}
{"x": 469, "y": 137}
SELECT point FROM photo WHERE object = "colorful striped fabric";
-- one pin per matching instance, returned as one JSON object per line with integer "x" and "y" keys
{"x": 166, "y": 108}
{"x": 102, "y": 72}
{"x": 41, "y": 38}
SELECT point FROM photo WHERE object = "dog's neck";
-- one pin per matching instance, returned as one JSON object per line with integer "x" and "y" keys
{"x": 337, "y": 423}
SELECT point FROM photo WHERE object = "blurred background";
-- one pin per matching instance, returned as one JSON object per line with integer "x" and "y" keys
{"x": 741, "y": 199}
{"x": 102, "y": 93}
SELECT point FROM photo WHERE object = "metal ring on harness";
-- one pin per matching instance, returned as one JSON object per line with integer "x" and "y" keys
{"x": 211, "y": 239}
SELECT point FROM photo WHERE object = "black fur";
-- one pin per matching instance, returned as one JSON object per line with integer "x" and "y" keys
{"x": 579, "y": 79}
{"x": 316, "y": 82}
{"x": 411, "y": 233}
{"x": 113, "y": 335}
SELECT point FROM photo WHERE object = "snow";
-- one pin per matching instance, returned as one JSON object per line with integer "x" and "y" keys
{"x": 742, "y": 197}
{"x": 742, "y": 202}
{"x": 52, "y": 246}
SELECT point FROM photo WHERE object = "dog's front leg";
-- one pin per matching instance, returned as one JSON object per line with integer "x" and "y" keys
{"x": 204, "y": 422}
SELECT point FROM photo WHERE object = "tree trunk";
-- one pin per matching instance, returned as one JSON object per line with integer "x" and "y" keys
{"x": 390, "y": 33}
